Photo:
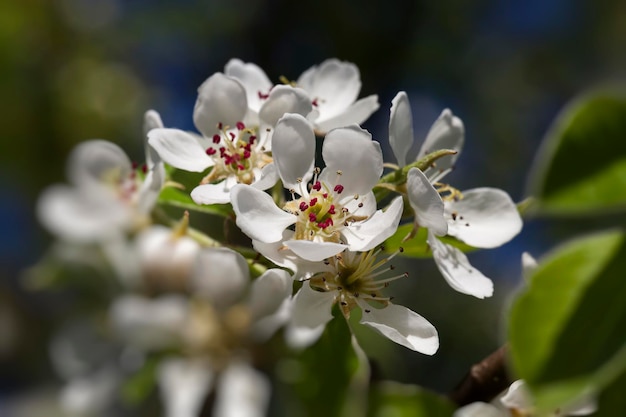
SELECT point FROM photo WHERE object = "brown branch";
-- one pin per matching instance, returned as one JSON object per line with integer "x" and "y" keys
{"x": 484, "y": 381}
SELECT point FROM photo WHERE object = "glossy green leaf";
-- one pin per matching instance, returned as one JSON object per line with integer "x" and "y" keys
{"x": 417, "y": 247}
{"x": 181, "y": 199}
{"x": 399, "y": 400}
{"x": 566, "y": 329}
{"x": 581, "y": 165}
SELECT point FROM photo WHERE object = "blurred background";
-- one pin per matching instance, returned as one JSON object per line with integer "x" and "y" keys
{"x": 72, "y": 70}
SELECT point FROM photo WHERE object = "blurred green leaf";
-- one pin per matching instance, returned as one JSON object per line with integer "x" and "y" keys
{"x": 139, "y": 386}
{"x": 567, "y": 329}
{"x": 581, "y": 166}
{"x": 177, "y": 198}
{"x": 417, "y": 246}
{"x": 613, "y": 400}
{"x": 327, "y": 369}
{"x": 399, "y": 400}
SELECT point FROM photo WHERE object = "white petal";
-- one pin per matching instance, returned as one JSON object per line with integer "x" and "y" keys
{"x": 269, "y": 291}
{"x": 368, "y": 202}
{"x": 221, "y": 275}
{"x": 352, "y": 151}
{"x": 262, "y": 329}
{"x": 252, "y": 77}
{"x": 479, "y": 409}
{"x": 282, "y": 256}
{"x": 221, "y": 99}
{"x": 311, "y": 311}
{"x": 184, "y": 385}
{"x": 400, "y": 127}
{"x": 284, "y": 99}
{"x": 179, "y": 149}
{"x": 151, "y": 188}
{"x": 529, "y": 264}
{"x": 357, "y": 112}
{"x": 266, "y": 177}
{"x": 485, "y": 218}
{"x": 149, "y": 323}
{"x": 518, "y": 396}
{"x": 218, "y": 193}
{"x": 457, "y": 271}
{"x": 74, "y": 215}
{"x": 426, "y": 202}
{"x": 242, "y": 391}
{"x": 151, "y": 120}
{"x": 166, "y": 260}
{"x": 293, "y": 144}
{"x": 446, "y": 133}
{"x": 89, "y": 395}
{"x": 335, "y": 85}
{"x": 363, "y": 236}
{"x": 314, "y": 251}
{"x": 96, "y": 161}
{"x": 403, "y": 326}
{"x": 257, "y": 214}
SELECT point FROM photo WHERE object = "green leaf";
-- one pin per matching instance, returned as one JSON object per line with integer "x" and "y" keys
{"x": 399, "y": 400}
{"x": 177, "y": 198}
{"x": 139, "y": 386}
{"x": 613, "y": 401}
{"x": 417, "y": 247}
{"x": 566, "y": 329}
{"x": 581, "y": 166}
{"x": 327, "y": 369}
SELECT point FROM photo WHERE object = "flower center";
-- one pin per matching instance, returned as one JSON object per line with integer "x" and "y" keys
{"x": 236, "y": 155}
{"x": 321, "y": 211}
{"x": 353, "y": 276}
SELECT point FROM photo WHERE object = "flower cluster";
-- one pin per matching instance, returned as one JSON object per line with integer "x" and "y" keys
{"x": 318, "y": 224}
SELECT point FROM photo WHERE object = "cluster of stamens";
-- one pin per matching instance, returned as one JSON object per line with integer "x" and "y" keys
{"x": 236, "y": 154}
{"x": 320, "y": 214}
{"x": 353, "y": 276}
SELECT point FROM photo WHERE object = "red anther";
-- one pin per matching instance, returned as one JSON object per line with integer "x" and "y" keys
{"x": 314, "y": 102}
{"x": 247, "y": 147}
{"x": 252, "y": 140}
{"x": 144, "y": 168}
{"x": 232, "y": 135}
{"x": 135, "y": 165}
{"x": 246, "y": 154}
{"x": 240, "y": 167}
{"x": 325, "y": 195}
{"x": 313, "y": 202}
{"x": 220, "y": 126}
{"x": 338, "y": 188}
{"x": 331, "y": 210}
{"x": 240, "y": 126}
{"x": 222, "y": 151}
{"x": 216, "y": 138}
{"x": 312, "y": 217}
{"x": 317, "y": 186}
{"x": 211, "y": 151}
{"x": 263, "y": 96}
{"x": 303, "y": 206}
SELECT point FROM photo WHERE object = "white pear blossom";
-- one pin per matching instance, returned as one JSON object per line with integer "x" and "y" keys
{"x": 332, "y": 87}
{"x": 481, "y": 217}
{"x": 517, "y": 401}
{"x": 338, "y": 211}
{"x": 108, "y": 194}
{"x": 225, "y": 314}
{"x": 350, "y": 279}
{"x": 234, "y": 144}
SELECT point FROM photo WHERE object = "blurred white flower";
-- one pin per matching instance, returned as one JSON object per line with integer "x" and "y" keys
{"x": 107, "y": 195}
{"x": 517, "y": 401}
